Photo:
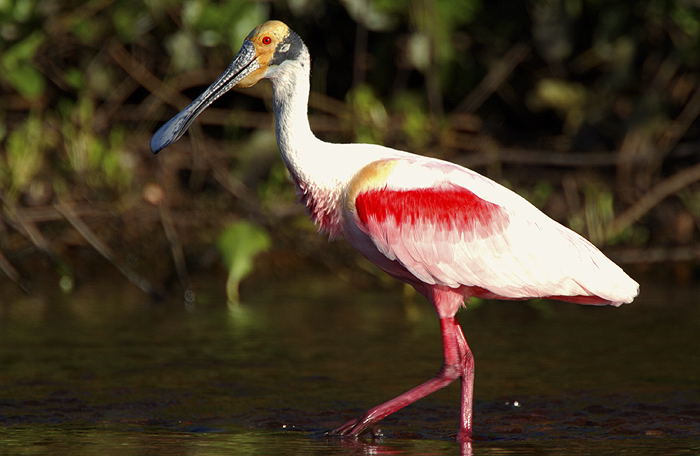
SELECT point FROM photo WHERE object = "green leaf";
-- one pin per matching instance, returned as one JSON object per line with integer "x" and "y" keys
{"x": 74, "y": 77}
{"x": 239, "y": 244}
{"x": 368, "y": 14}
{"x": 184, "y": 51}
{"x": 22, "y": 51}
{"x": 87, "y": 30}
{"x": 370, "y": 115}
{"x": 24, "y": 156}
{"x": 18, "y": 69}
{"x": 27, "y": 80}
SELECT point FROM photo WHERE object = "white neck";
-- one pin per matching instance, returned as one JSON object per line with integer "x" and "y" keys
{"x": 320, "y": 170}
{"x": 309, "y": 160}
{"x": 290, "y": 89}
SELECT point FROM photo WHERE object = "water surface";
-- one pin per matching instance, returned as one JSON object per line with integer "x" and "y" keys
{"x": 106, "y": 371}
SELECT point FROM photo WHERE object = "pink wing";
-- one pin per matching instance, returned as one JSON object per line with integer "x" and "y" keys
{"x": 454, "y": 227}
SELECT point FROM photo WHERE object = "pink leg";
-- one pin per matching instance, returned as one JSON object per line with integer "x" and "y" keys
{"x": 458, "y": 363}
{"x": 467, "y": 363}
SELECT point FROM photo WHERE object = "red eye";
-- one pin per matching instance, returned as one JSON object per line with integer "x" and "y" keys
{"x": 266, "y": 40}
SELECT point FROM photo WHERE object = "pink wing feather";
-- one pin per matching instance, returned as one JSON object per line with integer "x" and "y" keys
{"x": 454, "y": 227}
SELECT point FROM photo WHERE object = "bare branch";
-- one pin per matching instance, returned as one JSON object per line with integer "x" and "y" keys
{"x": 657, "y": 193}
{"x": 496, "y": 76}
{"x": 67, "y": 212}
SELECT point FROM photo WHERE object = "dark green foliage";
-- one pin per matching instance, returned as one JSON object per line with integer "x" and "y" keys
{"x": 588, "y": 106}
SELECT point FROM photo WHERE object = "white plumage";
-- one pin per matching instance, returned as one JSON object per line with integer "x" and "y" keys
{"x": 446, "y": 230}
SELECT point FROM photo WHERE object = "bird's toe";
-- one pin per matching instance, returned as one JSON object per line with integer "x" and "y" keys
{"x": 351, "y": 428}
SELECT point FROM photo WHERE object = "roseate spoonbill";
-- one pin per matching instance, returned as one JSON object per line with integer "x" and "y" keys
{"x": 446, "y": 230}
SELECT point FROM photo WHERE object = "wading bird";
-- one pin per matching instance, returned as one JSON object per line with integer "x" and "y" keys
{"x": 446, "y": 230}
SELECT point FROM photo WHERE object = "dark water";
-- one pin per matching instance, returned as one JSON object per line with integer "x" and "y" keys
{"x": 105, "y": 371}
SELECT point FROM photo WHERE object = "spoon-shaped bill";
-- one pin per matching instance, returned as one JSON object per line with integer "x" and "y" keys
{"x": 242, "y": 65}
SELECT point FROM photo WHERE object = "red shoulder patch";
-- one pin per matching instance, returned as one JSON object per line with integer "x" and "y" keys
{"x": 448, "y": 208}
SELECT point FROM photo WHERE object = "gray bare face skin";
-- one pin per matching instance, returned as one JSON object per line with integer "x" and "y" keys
{"x": 242, "y": 65}
{"x": 288, "y": 49}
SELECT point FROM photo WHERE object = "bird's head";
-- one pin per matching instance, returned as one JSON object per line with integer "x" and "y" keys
{"x": 274, "y": 44}
{"x": 264, "y": 52}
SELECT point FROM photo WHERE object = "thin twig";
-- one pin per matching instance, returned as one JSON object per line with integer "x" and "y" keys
{"x": 655, "y": 254}
{"x": 540, "y": 157}
{"x": 176, "y": 250}
{"x": 241, "y": 192}
{"x": 67, "y": 212}
{"x": 678, "y": 128}
{"x": 60, "y": 23}
{"x": 657, "y": 193}
{"x": 27, "y": 216}
{"x": 496, "y": 76}
{"x": 27, "y": 228}
{"x": 114, "y": 103}
{"x": 359, "y": 67}
{"x": 240, "y": 118}
{"x": 170, "y": 93}
{"x": 11, "y": 272}
{"x": 143, "y": 76}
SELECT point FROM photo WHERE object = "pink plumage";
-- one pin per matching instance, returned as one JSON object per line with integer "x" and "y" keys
{"x": 483, "y": 240}
{"x": 446, "y": 230}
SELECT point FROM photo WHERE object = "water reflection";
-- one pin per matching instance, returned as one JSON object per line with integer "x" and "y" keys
{"x": 89, "y": 442}
{"x": 106, "y": 371}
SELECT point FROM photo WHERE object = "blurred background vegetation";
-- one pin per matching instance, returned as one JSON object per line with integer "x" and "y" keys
{"x": 588, "y": 108}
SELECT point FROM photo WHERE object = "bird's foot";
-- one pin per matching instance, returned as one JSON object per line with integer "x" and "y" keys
{"x": 348, "y": 429}
{"x": 352, "y": 428}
